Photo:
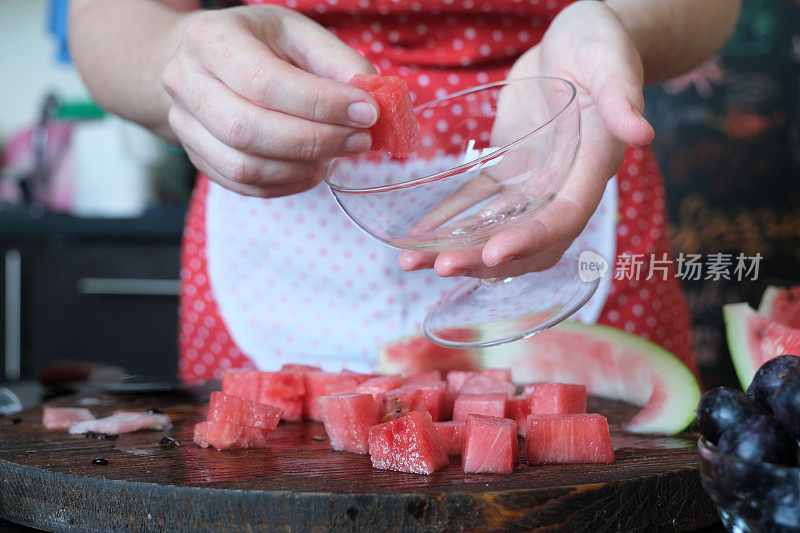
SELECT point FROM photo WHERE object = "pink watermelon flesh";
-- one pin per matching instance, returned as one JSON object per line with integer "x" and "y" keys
{"x": 300, "y": 368}
{"x": 501, "y": 375}
{"x": 321, "y": 384}
{"x": 347, "y": 419}
{"x": 452, "y": 434}
{"x": 358, "y": 377}
{"x": 455, "y": 380}
{"x": 227, "y": 436}
{"x": 415, "y": 354}
{"x": 242, "y": 383}
{"x": 518, "y": 409}
{"x": 782, "y": 305}
{"x": 574, "y": 438}
{"x": 397, "y": 402}
{"x": 380, "y": 384}
{"x": 199, "y": 434}
{"x": 491, "y": 445}
{"x": 64, "y": 417}
{"x": 396, "y": 130}
{"x": 407, "y": 444}
{"x": 284, "y": 390}
{"x": 486, "y": 385}
{"x": 122, "y": 422}
{"x": 225, "y": 408}
{"x": 340, "y": 387}
{"x": 491, "y": 404}
{"x": 422, "y": 377}
{"x": 433, "y": 394}
{"x": 556, "y": 398}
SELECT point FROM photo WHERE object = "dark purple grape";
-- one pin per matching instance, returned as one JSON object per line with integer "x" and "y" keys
{"x": 781, "y": 508}
{"x": 759, "y": 440}
{"x": 721, "y": 407}
{"x": 769, "y": 377}
{"x": 786, "y": 405}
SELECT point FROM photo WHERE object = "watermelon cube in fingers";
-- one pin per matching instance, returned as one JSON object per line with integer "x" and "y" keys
{"x": 285, "y": 390}
{"x": 453, "y": 435}
{"x": 377, "y": 385}
{"x": 396, "y": 130}
{"x": 225, "y": 408}
{"x": 242, "y": 383}
{"x": 494, "y": 404}
{"x": 556, "y": 398}
{"x": 407, "y": 444}
{"x": 491, "y": 445}
{"x": 573, "y": 438}
{"x": 347, "y": 419}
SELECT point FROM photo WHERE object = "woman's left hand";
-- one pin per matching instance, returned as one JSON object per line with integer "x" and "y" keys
{"x": 586, "y": 44}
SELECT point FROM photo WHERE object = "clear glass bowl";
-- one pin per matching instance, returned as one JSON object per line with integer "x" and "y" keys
{"x": 758, "y": 497}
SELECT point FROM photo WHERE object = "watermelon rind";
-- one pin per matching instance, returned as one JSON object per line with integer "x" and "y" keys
{"x": 767, "y": 299}
{"x": 735, "y": 316}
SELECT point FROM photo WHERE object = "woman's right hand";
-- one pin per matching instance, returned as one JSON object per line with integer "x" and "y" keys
{"x": 260, "y": 99}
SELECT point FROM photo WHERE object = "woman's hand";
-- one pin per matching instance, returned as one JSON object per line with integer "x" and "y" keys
{"x": 260, "y": 99}
{"x": 587, "y": 45}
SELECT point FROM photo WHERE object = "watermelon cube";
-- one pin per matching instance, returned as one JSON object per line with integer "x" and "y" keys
{"x": 199, "y": 434}
{"x": 433, "y": 393}
{"x": 242, "y": 383}
{"x": 407, "y": 444}
{"x": 457, "y": 378}
{"x": 556, "y": 398}
{"x": 322, "y": 384}
{"x": 501, "y": 375}
{"x": 225, "y": 408}
{"x": 491, "y": 445}
{"x": 396, "y": 130}
{"x": 380, "y": 384}
{"x": 572, "y": 438}
{"x": 493, "y": 404}
{"x": 422, "y": 377}
{"x": 347, "y": 419}
{"x": 290, "y": 367}
{"x": 227, "y": 436}
{"x": 452, "y": 433}
{"x": 284, "y": 390}
{"x": 487, "y": 385}
{"x": 397, "y": 402}
{"x": 519, "y": 407}
{"x": 358, "y": 377}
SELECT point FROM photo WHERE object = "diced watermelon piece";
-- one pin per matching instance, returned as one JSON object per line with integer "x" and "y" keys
{"x": 300, "y": 368}
{"x": 380, "y": 384}
{"x": 342, "y": 386}
{"x": 501, "y": 375}
{"x": 493, "y": 404}
{"x": 486, "y": 385}
{"x": 433, "y": 396}
{"x": 407, "y": 444}
{"x": 396, "y": 130}
{"x": 423, "y": 377}
{"x": 284, "y": 390}
{"x": 455, "y": 380}
{"x": 122, "y": 422}
{"x": 358, "y": 376}
{"x": 453, "y": 434}
{"x": 242, "y": 383}
{"x": 199, "y": 434}
{"x": 243, "y": 412}
{"x": 316, "y": 385}
{"x": 556, "y": 398}
{"x": 347, "y": 419}
{"x": 491, "y": 445}
{"x": 226, "y": 436}
{"x": 573, "y": 438}
{"x": 397, "y": 402}
{"x": 518, "y": 409}
{"x": 64, "y": 417}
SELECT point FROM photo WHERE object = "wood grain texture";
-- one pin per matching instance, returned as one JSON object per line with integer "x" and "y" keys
{"x": 48, "y": 480}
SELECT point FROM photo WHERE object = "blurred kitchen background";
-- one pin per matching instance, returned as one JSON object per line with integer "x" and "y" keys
{"x": 91, "y": 207}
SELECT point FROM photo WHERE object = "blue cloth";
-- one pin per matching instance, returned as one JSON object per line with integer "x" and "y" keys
{"x": 57, "y": 26}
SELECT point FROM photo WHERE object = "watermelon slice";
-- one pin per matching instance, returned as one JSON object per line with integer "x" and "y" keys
{"x": 225, "y": 408}
{"x": 242, "y": 383}
{"x": 407, "y": 444}
{"x": 491, "y": 445}
{"x": 64, "y": 417}
{"x": 284, "y": 390}
{"x": 576, "y": 438}
{"x": 754, "y": 339}
{"x": 453, "y": 434}
{"x": 396, "y": 130}
{"x": 491, "y": 404}
{"x": 782, "y": 305}
{"x": 422, "y": 377}
{"x": 377, "y": 385}
{"x": 347, "y": 419}
{"x": 415, "y": 354}
{"x": 556, "y": 398}
{"x": 609, "y": 362}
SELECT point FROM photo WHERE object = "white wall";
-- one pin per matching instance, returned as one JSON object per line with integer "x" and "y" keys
{"x": 28, "y": 68}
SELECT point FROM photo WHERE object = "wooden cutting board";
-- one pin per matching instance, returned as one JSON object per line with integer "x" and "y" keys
{"x": 48, "y": 480}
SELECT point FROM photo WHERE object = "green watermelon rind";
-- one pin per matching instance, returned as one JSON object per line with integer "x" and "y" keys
{"x": 735, "y": 317}
{"x": 767, "y": 299}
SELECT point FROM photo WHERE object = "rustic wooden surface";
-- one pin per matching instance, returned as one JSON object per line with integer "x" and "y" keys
{"x": 48, "y": 480}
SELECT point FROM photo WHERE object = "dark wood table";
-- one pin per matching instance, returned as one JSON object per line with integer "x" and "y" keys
{"x": 48, "y": 481}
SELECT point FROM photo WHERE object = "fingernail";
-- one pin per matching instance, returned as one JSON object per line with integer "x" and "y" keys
{"x": 503, "y": 261}
{"x": 358, "y": 143}
{"x": 362, "y": 113}
{"x": 458, "y": 272}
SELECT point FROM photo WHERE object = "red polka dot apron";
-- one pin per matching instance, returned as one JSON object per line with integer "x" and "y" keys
{"x": 292, "y": 279}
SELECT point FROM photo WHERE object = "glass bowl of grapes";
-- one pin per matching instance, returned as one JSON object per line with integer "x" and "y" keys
{"x": 749, "y": 454}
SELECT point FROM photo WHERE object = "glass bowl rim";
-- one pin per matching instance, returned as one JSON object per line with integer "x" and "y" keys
{"x": 707, "y": 448}
{"x": 464, "y": 166}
